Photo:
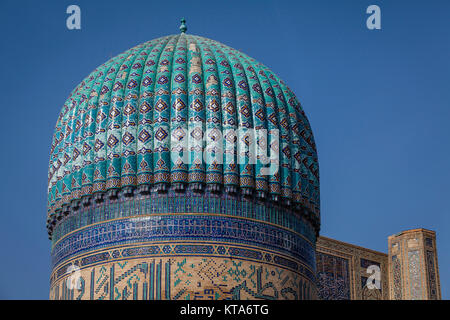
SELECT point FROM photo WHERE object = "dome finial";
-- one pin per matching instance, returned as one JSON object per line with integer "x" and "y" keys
{"x": 183, "y": 27}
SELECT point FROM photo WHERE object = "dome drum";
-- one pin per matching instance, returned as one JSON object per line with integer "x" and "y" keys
{"x": 145, "y": 190}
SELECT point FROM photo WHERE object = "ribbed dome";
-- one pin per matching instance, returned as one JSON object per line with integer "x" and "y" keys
{"x": 115, "y": 130}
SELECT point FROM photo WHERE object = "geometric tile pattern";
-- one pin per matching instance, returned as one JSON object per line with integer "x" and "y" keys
{"x": 345, "y": 270}
{"x": 397, "y": 278}
{"x": 114, "y": 129}
{"x": 333, "y": 277}
{"x": 187, "y": 202}
{"x": 413, "y": 265}
{"x": 431, "y": 275}
{"x": 188, "y": 241}
{"x": 184, "y": 278}
{"x": 141, "y": 224}
{"x": 415, "y": 282}
{"x": 183, "y": 228}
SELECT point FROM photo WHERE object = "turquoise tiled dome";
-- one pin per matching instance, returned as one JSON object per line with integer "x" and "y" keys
{"x": 113, "y": 135}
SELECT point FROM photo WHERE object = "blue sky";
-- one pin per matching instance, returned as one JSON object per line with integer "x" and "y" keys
{"x": 378, "y": 102}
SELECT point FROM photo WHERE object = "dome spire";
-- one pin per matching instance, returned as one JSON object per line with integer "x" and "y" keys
{"x": 183, "y": 27}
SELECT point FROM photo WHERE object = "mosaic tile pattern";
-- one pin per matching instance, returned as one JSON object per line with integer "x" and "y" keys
{"x": 397, "y": 280}
{"x": 183, "y": 227}
{"x": 413, "y": 265}
{"x": 432, "y": 288}
{"x": 115, "y": 128}
{"x": 192, "y": 249}
{"x": 415, "y": 281}
{"x": 184, "y": 278}
{"x": 143, "y": 225}
{"x": 185, "y": 203}
{"x": 343, "y": 271}
{"x": 365, "y": 263}
{"x": 333, "y": 277}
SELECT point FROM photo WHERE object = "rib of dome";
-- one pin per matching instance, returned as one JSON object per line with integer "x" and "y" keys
{"x": 115, "y": 129}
